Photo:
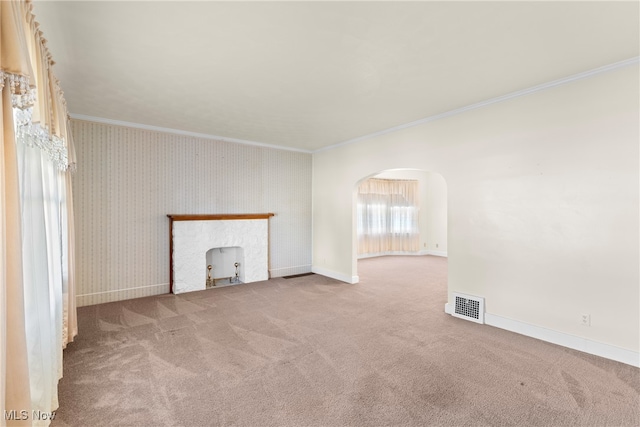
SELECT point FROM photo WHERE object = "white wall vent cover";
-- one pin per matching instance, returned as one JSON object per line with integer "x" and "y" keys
{"x": 468, "y": 307}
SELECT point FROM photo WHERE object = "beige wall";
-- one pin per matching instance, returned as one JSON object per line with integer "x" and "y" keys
{"x": 128, "y": 180}
{"x": 543, "y": 197}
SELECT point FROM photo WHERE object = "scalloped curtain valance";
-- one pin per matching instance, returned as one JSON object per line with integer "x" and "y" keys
{"x": 41, "y": 117}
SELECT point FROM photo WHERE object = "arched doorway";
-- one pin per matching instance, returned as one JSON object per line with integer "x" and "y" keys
{"x": 432, "y": 218}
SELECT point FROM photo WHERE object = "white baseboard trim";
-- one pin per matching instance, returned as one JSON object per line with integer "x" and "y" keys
{"x": 121, "y": 294}
{"x": 448, "y": 308}
{"x": 436, "y": 253}
{"x": 585, "y": 345}
{"x": 335, "y": 275}
{"x": 404, "y": 253}
{"x": 379, "y": 254}
{"x": 289, "y": 271}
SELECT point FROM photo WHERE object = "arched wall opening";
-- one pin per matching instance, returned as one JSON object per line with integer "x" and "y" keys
{"x": 525, "y": 208}
{"x": 432, "y": 216}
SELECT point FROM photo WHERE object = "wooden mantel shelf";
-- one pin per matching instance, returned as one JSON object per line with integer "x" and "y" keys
{"x": 218, "y": 217}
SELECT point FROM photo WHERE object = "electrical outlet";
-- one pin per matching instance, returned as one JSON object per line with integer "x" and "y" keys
{"x": 425, "y": 244}
{"x": 436, "y": 245}
{"x": 585, "y": 319}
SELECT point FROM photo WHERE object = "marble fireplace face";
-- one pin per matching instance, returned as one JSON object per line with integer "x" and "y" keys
{"x": 193, "y": 239}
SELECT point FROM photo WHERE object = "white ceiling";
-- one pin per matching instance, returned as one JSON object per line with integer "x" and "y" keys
{"x": 307, "y": 75}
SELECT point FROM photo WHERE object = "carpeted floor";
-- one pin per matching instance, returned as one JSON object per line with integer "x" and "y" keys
{"x": 311, "y": 351}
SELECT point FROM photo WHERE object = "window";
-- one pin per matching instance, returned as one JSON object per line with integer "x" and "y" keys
{"x": 387, "y": 213}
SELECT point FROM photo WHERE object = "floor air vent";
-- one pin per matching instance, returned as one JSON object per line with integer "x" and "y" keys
{"x": 469, "y": 308}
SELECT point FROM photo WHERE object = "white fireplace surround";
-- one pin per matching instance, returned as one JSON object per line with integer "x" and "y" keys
{"x": 193, "y": 235}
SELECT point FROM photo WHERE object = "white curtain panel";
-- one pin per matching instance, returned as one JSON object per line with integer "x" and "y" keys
{"x": 42, "y": 272}
{"x": 53, "y": 186}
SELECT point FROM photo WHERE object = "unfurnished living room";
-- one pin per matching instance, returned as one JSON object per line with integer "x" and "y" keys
{"x": 321, "y": 213}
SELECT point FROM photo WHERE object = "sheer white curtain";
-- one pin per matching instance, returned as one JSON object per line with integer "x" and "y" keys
{"x": 387, "y": 216}
{"x": 42, "y": 272}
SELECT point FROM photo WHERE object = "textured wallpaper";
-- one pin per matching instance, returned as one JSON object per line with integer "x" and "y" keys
{"x": 129, "y": 179}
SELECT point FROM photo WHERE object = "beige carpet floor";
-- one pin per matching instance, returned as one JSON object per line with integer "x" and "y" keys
{"x": 312, "y": 351}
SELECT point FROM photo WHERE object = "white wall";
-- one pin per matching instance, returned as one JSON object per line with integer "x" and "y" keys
{"x": 222, "y": 260}
{"x": 436, "y": 214}
{"x": 543, "y": 196}
{"x": 128, "y": 180}
{"x": 433, "y": 208}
